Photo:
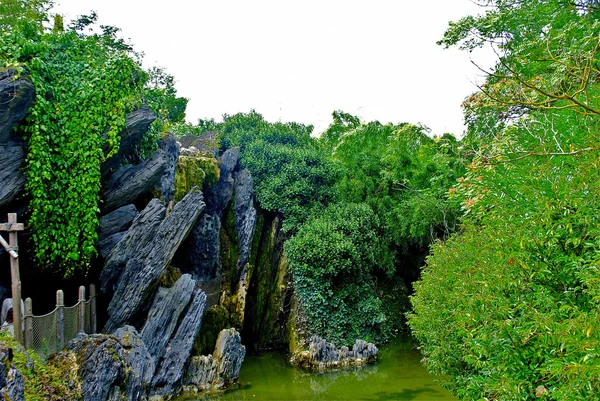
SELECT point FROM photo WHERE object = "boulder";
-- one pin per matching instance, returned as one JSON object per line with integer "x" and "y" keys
{"x": 11, "y": 174}
{"x": 139, "y": 235}
{"x": 142, "y": 271}
{"x": 245, "y": 215}
{"x": 117, "y": 221}
{"x": 171, "y": 368}
{"x": 16, "y": 96}
{"x": 221, "y": 369}
{"x": 164, "y": 314}
{"x": 130, "y": 183}
{"x": 139, "y": 362}
{"x": 102, "y": 369}
{"x": 136, "y": 125}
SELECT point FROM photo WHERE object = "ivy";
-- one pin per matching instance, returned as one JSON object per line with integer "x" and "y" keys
{"x": 84, "y": 85}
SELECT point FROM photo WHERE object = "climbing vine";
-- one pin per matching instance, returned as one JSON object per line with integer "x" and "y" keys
{"x": 84, "y": 85}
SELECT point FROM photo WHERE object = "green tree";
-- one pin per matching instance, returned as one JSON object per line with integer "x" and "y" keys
{"x": 508, "y": 308}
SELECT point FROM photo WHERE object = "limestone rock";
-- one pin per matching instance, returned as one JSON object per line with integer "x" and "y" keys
{"x": 117, "y": 221}
{"x": 164, "y": 314}
{"x": 139, "y": 362}
{"x": 170, "y": 372}
{"x": 136, "y": 124}
{"x": 245, "y": 215}
{"x": 141, "y": 273}
{"x": 220, "y": 370}
{"x": 139, "y": 235}
{"x": 16, "y": 96}
{"x": 130, "y": 183}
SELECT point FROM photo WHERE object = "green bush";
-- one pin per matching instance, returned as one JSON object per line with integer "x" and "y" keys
{"x": 333, "y": 257}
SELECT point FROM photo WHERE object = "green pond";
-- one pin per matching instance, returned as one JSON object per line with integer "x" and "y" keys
{"x": 398, "y": 375}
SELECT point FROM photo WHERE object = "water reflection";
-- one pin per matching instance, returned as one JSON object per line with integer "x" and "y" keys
{"x": 397, "y": 376}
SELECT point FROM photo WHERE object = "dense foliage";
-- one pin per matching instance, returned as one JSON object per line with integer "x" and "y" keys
{"x": 84, "y": 84}
{"x": 509, "y": 308}
{"x": 333, "y": 257}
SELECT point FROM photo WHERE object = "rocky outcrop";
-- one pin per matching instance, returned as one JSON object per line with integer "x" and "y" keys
{"x": 200, "y": 252}
{"x": 323, "y": 355}
{"x": 139, "y": 235}
{"x": 16, "y": 96}
{"x": 130, "y": 183}
{"x": 117, "y": 221}
{"x": 142, "y": 271}
{"x": 12, "y": 386}
{"x": 106, "y": 245}
{"x": 245, "y": 215}
{"x": 219, "y": 195}
{"x": 171, "y": 148}
{"x": 170, "y": 371}
{"x": 164, "y": 314}
{"x": 219, "y": 370}
{"x": 140, "y": 364}
{"x": 136, "y": 124}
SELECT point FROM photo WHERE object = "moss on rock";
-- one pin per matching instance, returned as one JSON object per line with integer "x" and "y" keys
{"x": 195, "y": 169}
{"x": 216, "y": 318}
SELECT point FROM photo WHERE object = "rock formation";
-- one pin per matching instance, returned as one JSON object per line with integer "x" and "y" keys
{"x": 323, "y": 355}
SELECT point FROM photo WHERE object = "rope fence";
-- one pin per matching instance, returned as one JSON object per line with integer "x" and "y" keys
{"x": 50, "y": 333}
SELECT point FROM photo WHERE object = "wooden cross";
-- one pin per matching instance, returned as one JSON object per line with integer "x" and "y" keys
{"x": 12, "y": 248}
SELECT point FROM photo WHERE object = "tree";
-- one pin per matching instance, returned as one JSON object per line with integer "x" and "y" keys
{"x": 16, "y": 12}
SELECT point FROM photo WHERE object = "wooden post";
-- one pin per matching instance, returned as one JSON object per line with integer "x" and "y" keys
{"x": 92, "y": 309}
{"x": 60, "y": 320}
{"x": 28, "y": 324}
{"x": 81, "y": 310}
{"x": 16, "y": 281}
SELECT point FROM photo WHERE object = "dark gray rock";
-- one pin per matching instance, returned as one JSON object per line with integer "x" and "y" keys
{"x": 139, "y": 235}
{"x": 323, "y": 355}
{"x": 164, "y": 314}
{"x": 106, "y": 245}
{"x": 139, "y": 278}
{"x": 245, "y": 215}
{"x": 322, "y": 351}
{"x": 199, "y": 253}
{"x": 170, "y": 372}
{"x": 117, "y": 221}
{"x": 101, "y": 365}
{"x": 136, "y": 124}
{"x": 15, "y": 386}
{"x": 220, "y": 370}
{"x": 130, "y": 183}
{"x": 16, "y": 96}
{"x": 219, "y": 195}
{"x": 11, "y": 174}
{"x": 139, "y": 362}
{"x": 171, "y": 148}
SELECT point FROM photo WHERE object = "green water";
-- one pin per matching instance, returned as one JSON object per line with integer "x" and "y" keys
{"x": 398, "y": 375}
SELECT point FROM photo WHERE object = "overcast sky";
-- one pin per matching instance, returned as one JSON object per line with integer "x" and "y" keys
{"x": 301, "y": 60}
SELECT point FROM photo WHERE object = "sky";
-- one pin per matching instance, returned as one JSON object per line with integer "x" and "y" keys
{"x": 301, "y": 60}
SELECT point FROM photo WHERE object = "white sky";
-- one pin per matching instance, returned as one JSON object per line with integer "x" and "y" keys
{"x": 301, "y": 60}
